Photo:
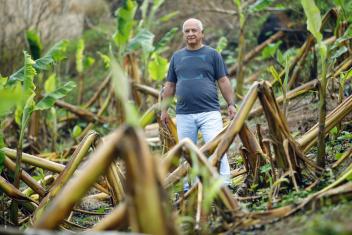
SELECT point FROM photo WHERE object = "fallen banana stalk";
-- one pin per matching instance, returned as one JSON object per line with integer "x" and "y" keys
{"x": 79, "y": 185}
{"x": 146, "y": 90}
{"x": 12, "y": 191}
{"x": 35, "y": 161}
{"x": 142, "y": 190}
{"x": 238, "y": 172}
{"x": 16, "y": 195}
{"x": 27, "y": 179}
{"x": 81, "y": 112}
{"x": 76, "y": 159}
{"x": 42, "y": 163}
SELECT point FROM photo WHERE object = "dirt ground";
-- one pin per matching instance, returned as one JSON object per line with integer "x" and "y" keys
{"x": 327, "y": 220}
{"x": 333, "y": 219}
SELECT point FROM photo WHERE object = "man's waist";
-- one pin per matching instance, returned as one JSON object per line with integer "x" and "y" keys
{"x": 193, "y": 111}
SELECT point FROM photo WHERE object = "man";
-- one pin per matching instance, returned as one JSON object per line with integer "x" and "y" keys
{"x": 192, "y": 76}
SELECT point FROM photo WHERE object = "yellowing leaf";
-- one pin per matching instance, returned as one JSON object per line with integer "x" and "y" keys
{"x": 313, "y": 18}
{"x": 79, "y": 56}
{"x": 50, "y": 84}
{"x": 157, "y": 68}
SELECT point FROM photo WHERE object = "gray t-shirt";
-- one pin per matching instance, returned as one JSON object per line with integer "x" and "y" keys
{"x": 195, "y": 73}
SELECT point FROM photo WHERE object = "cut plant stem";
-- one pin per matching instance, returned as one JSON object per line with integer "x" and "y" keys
{"x": 25, "y": 177}
{"x": 116, "y": 182}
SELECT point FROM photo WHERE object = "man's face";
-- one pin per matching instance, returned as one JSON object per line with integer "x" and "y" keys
{"x": 192, "y": 34}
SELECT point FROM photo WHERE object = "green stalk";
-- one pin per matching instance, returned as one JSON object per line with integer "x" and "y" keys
{"x": 241, "y": 48}
{"x": 322, "y": 115}
{"x": 18, "y": 159}
{"x": 314, "y": 25}
{"x": 14, "y": 204}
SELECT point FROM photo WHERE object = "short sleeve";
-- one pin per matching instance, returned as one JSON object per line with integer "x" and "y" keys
{"x": 220, "y": 67}
{"x": 171, "y": 74}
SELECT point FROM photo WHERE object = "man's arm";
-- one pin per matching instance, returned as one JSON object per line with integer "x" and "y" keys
{"x": 168, "y": 92}
{"x": 227, "y": 93}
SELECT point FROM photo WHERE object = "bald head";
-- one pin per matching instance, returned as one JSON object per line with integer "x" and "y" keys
{"x": 193, "y": 21}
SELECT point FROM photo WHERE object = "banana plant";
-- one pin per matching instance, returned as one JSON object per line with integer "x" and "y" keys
{"x": 314, "y": 22}
{"x": 131, "y": 37}
{"x": 35, "y": 48}
{"x": 24, "y": 109}
{"x": 124, "y": 25}
{"x": 56, "y": 54}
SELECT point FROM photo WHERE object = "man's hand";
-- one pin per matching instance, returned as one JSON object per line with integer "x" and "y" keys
{"x": 168, "y": 92}
{"x": 164, "y": 118}
{"x": 231, "y": 111}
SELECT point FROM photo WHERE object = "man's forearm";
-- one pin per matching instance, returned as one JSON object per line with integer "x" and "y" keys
{"x": 226, "y": 90}
{"x": 168, "y": 93}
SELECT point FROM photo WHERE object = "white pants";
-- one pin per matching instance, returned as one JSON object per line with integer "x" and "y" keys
{"x": 210, "y": 124}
